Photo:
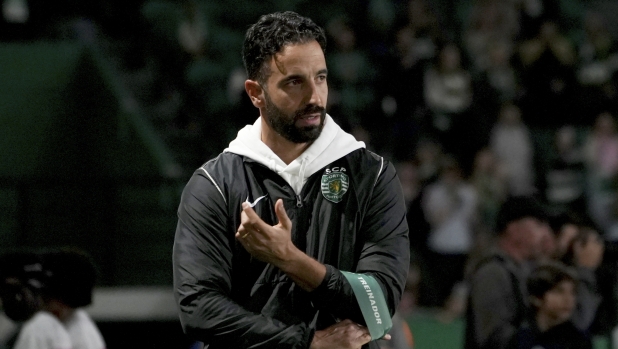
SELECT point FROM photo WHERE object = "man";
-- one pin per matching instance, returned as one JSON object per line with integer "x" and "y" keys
{"x": 294, "y": 234}
{"x": 497, "y": 299}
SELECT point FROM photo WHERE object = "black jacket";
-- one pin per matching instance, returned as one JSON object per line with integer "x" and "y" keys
{"x": 227, "y": 299}
{"x": 562, "y": 336}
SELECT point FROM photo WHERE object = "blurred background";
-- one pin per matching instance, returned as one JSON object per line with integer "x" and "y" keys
{"x": 108, "y": 106}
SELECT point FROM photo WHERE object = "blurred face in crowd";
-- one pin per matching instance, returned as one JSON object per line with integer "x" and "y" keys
{"x": 484, "y": 161}
{"x": 558, "y": 303}
{"x": 510, "y": 114}
{"x": 450, "y": 58}
{"x": 531, "y": 235}
{"x": 605, "y": 125}
{"x": 295, "y": 93}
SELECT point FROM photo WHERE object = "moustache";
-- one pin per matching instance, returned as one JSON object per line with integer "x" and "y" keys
{"x": 310, "y": 109}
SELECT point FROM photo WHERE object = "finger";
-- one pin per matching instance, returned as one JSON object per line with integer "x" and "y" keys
{"x": 387, "y": 337}
{"x": 282, "y": 216}
{"x": 253, "y": 220}
{"x": 364, "y": 339}
{"x": 243, "y": 240}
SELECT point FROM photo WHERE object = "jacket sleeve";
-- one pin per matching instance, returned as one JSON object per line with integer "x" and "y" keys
{"x": 385, "y": 252}
{"x": 588, "y": 299}
{"x": 492, "y": 307}
{"x": 202, "y": 265}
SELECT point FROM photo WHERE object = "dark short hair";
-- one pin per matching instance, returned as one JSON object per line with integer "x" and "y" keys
{"x": 271, "y": 33}
{"x": 547, "y": 275}
{"x": 520, "y": 207}
{"x": 70, "y": 276}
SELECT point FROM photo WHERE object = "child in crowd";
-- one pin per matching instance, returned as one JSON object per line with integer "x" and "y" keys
{"x": 551, "y": 288}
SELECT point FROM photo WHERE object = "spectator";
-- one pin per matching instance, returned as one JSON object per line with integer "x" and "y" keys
{"x": 581, "y": 247}
{"x": 351, "y": 75}
{"x": 23, "y": 301}
{"x": 489, "y": 181}
{"x": 501, "y": 74}
{"x": 490, "y": 21}
{"x": 601, "y": 157}
{"x": 497, "y": 298}
{"x": 71, "y": 276}
{"x": 532, "y": 15}
{"x": 423, "y": 22}
{"x": 563, "y": 180}
{"x": 449, "y": 206}
{"x": 597, "y": 63}
{"x": 511, "y": 142}
{"x": 429, "y": 153}
{"x": 551, "y": 287}
{"x": 547, "y": 63}
{"x": 68, "y": 282}
{"x": 400, "y": 90}
{"x": 448, "y": 94}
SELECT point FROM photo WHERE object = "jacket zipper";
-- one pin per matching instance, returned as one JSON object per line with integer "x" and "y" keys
{"x": 299, "y": 201}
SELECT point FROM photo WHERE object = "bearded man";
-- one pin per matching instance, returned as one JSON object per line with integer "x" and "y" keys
{"x": 295, "y": 235}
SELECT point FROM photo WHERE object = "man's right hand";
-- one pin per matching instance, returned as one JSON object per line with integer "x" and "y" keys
{"x": 342, "y": 335}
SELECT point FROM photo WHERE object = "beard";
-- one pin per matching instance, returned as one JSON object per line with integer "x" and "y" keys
{"x": 285, "y": 125}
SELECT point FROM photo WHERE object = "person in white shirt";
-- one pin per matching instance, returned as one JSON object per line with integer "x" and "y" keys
{"x": 83, "y": 331}
{"x": 43, "y": 331}
{"x": 71, "y": 277}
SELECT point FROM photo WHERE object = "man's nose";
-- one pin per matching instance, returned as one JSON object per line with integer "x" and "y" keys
{"x": 314, "y": 94}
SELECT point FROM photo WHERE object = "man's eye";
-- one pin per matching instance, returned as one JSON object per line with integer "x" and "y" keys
{"x": 294, "y": 82}
{"x": 321, "y": 77}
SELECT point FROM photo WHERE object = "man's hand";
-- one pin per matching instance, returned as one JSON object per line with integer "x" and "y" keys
{"x": 342, "y": 335}
{"x": 588, "y": 252}
{"x": 270, "y": 244}
{"x": 273, "y": 245}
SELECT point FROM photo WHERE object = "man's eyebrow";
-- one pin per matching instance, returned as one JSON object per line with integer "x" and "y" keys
{"x": 293, "y": 77}
{"x": 323, "y": 71}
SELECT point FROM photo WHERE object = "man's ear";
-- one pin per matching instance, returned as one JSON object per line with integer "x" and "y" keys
{"x": 255, "y": 92}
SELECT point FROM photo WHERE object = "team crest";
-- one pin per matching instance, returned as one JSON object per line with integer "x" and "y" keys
{"x": 335, "y": 183}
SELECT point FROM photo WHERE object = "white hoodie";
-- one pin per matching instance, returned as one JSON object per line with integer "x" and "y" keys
{"x": 332, "y": 144}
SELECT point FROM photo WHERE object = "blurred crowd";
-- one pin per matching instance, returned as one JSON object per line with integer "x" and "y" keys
{"x": 476, "y": 101}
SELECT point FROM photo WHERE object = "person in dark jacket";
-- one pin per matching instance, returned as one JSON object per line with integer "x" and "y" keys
{"x": 552, "y": 291}
{"x": 295, "y": 236}
{"x": 497, "y": 298}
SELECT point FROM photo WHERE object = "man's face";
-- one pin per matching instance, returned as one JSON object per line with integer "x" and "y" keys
{"x": 559, "y": 302}
{"x": 534, "y": 233}
{"x": 296, "y": 92}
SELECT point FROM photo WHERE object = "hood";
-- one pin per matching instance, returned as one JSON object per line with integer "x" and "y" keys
{"x": 333, "y": 144}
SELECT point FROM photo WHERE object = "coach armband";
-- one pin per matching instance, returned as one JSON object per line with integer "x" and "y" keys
{"x": 371, "y": 302}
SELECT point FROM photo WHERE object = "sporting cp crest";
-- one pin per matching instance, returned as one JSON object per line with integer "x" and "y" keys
{"x": 335, "y": 183}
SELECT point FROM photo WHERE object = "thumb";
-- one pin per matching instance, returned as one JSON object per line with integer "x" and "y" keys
{"x": 284, "y": 220}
